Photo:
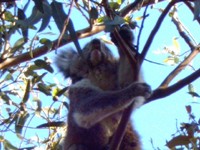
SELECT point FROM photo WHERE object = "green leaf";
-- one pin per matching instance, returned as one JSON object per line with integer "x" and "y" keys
{"x": 114, "y": 5}
{"x": 66, "y": 105}
{"x": 52, "y": 124}
{"x": 47, "y": 43}
{"x": 111, "y": 24}
{"x": 37, "y": 15}
{"x": 5, "y": 97}
{"x": 46, "y": 18}
{"x": 188, "y": 109}
{"x": 44, "y": 88}
{"x": 7, "y": 145}
{"x": 30, "y": 71}
{"x": 8, "y": 77}
{"x": 179, "y": 140}
{"x": 120, "y": 1}
{"x": 58, "y": 14}
{"x": 8, "y": 16}
{"x": 20, "y": 122}
{"x": 176, "y": 60}
{"x": 57, "y": 92}
{"x": 93, "y": 13}
{"x": 38, "y": 4}
{"x": 43, "y": 64}
{"x": 196, "y": 9}
{"x": 39, "y": 105}
{"x": 70, "y": 28}
{"x": 191, "y": 88}
{"x": 60, "y": 92}
{"x": 18, "y": 45}
{"x": 118, "y": 20}
{"x": 102, "y": 19}
{"x": 26, "y": 93}
{"x": 194, "y": 94}
{"x": 22, "y": 16}
{"x": 38, "y": 78}
{"x": 60, "y": 17}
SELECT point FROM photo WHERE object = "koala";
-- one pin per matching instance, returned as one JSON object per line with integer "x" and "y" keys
{"x": 102, "y": 87}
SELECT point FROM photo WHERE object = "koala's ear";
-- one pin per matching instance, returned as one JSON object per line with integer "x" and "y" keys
{"x": 64, "y": 61}
{"x": 126, "y": 33}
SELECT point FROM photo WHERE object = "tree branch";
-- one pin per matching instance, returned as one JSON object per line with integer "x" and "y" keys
{"x": 180, "y": 67}
{"x": 136, "y": 5}
{"x": 9, "y": 62}
{"x": 156, "y": 28}
{"x": 126, "y": 50}
{"x": 181, "y": 31}
{"x": 163, "y": 92}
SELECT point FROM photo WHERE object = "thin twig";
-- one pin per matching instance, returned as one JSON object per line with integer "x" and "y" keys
{"x": 156, "y": 28}
{"x": 142, "y": 25}
{"x": 80, "y": 10}
{"x": 136, "y": 5}
{"x": 119, "y": 134}
{"x": 180, "y": 67}
{"x": 13, "y": 61}
{"x": 181, "y": 29}
{"x": 163, "y": 92}
{"x": 65, "y": 24}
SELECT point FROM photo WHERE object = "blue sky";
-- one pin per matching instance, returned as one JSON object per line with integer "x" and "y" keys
{"x": 158, "y": 119}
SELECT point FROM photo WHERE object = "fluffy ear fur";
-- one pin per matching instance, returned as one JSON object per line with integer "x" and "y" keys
{"x": 64, "y": 60}
{"x": 71, "y": 64}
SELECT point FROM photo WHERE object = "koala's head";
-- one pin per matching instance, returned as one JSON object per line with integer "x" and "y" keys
{"x": 96, "y": 52}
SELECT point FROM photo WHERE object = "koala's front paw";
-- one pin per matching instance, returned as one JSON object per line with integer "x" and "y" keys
{"x": 144, "y": 89}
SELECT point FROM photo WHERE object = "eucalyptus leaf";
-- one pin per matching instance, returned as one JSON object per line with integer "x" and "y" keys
{"x": 73, "y": 35}
{"x": 43, "y": 64}
{"x": 8, "y": 146}
{"x": 93, "y": 13}
{"x": 21, "y": 120}
{"x": 44, "y": 89}
{"x": 38, "y": 4}
{"x": 58, "y": 14}
{"x": 46, "y": 18}
{"x": 196, "y": 9}
{"x": 26, "y": 93}
{"x": 22, "y": 16}
{"x": 47, "y": 43}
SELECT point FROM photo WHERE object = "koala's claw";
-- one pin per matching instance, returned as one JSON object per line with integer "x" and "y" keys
{"x": 144, "y": 89}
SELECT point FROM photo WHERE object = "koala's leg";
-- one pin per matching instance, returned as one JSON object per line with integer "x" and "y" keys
{"x": 131, "y": 139}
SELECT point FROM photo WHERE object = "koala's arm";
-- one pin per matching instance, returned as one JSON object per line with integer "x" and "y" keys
{"x": 128, "y": 37}
{"x": 93, "y": 104}
{"x": 126, "y": 72}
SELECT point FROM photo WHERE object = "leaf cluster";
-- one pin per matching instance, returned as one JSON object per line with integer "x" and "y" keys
{"x": 187, "y": 136}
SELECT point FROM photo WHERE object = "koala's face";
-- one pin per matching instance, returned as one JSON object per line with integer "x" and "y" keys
{"x": 96, "y": 52}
